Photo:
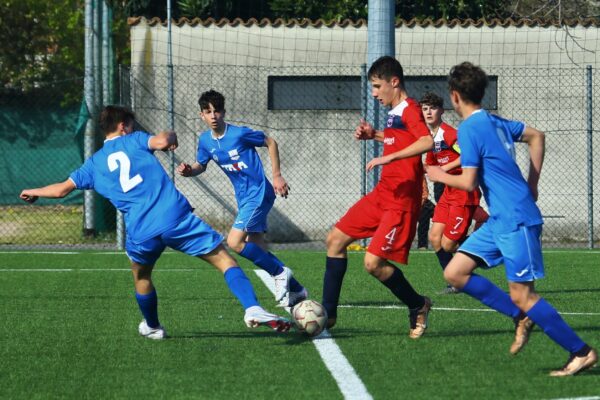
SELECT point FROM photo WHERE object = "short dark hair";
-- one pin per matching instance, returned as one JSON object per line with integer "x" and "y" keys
{"x": 469, "y": 81}
{"x": 432, "y": 99}
{"x": 212, "y": 97}
{"x": 112, "y": 116}
{"x": 386, "y": 68}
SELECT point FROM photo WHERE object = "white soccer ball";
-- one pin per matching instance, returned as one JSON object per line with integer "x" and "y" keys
{"x": 310, "y": 317}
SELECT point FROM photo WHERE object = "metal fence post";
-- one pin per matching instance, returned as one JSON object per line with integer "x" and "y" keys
{"x": 170, "y": 89}
{"x": 590, "y": 158}
{"x": 120, "y": 228}
{"x": 89, "y": 225}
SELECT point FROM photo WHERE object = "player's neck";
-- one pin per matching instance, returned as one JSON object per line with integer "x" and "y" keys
{"x": 433, "y": 128}
{"x": 468, "y": 109}
{"x": 399, "y": 98}
{"x": 219, "y": 131}
{"x": 113, "y": 135}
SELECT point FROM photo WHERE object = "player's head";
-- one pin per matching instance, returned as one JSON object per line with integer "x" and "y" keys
{"x": 212, "y": 109}
{"x": 387, "y": 80}
{"x": 432, "y": 107}
{"x": 214, "y": 98}
{"x": 467, "y": 83}
{"x": 116, "y": 119}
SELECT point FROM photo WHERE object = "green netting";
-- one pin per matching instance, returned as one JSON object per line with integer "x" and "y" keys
{"x": 38, "y": 146}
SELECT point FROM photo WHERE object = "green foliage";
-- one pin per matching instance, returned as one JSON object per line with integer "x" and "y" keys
{"x": 314, "y": 9}
{"x": 42, "y": 41}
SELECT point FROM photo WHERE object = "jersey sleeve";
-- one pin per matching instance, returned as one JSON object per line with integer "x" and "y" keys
{"x": 514, "y": 128}
{"x": 202, "y": 156}
{"x": 252, "y": 138}
{"x": 83, "y": 177}
{"x": 142, "y": 140}
{"x": 451, "y": 139}
{"x": 469, "y": 148}
{"x": 413, "y": 119}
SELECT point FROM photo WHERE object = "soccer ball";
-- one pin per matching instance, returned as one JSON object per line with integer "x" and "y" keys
{"x": 310, "y": 317}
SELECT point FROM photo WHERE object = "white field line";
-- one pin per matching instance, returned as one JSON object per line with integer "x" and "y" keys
{"x": 580, "y": 398}
{"x": 456, "y": 309}
{"x": 347, "y": 379}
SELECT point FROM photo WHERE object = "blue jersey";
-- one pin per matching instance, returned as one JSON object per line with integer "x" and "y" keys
{"x": 487, "y": 142}
{"x": 127, "y": 173}
{"x": 235, "y": 152}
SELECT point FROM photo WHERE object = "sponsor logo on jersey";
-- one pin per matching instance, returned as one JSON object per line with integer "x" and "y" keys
{"x": 235, "y": 167}
{"x": 443, "y": 160}
{"x": 233, "y": 154}
{"x": 389, "y": 140}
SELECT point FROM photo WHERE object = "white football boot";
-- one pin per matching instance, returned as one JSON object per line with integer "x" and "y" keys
{"x": 151, "y": 333}
{"x": 256, "y": 316}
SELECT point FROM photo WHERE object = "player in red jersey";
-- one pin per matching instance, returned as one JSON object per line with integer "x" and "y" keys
{"x": 390, "y": 212}
{"x": 456, "y": 208}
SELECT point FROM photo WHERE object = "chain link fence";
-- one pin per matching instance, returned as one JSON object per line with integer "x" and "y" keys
{"x": 311, "y": 112}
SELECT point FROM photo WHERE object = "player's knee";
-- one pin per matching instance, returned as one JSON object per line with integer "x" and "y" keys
{"x": 449, "y": 246}
{"x": 435, "y": 240}
{"x": 234, "y": 244}
{"x": 372, "y": 266}
{"x": 334, "y": 241}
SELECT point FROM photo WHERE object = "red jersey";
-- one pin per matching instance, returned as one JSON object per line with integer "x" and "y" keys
{"x": 445, "y": 150}
{"x": 400, "y": 185}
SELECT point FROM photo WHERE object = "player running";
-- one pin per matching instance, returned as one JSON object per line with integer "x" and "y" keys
{"x": 233, "y": 149}
{"x": 157, "y": 215}
{"x": 389, "y": 213}
{"x": 512, "y": 235}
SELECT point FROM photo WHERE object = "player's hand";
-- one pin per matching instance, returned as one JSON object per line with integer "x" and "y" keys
{"x": 377, "y": 161}
{"x": 281, "y": 187}
{"x": 184, "y": 169}
{"x": 434, "y": 173}
{"x": 28, "y": 197}
{"x": 364, "y": 131}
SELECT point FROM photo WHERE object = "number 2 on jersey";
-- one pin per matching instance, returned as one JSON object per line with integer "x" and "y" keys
{"x": 127, "y": 183}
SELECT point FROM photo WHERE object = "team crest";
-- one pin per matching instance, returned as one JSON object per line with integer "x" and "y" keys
{"x": 233, "y": 154}
{"x": 390, "y": 121}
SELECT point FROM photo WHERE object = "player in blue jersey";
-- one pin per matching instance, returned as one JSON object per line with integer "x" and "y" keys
{"x": 127, "y": 173}
{"x": 233, "y": 149}
{"x": 512, "y": 234}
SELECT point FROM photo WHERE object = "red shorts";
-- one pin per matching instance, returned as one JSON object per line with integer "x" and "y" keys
{"x": 456, "y": 218}
{"x": 392, "y": 231}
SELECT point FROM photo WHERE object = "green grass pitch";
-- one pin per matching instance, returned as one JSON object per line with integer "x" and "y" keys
{"x": 69, "y": 330}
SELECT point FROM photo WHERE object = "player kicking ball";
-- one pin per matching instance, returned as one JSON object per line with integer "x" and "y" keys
{"x": 512, "y": 235}
{"x": 390, "y": 212}
{"x": 157, "y": 215}
{"x": 233, "y": 149}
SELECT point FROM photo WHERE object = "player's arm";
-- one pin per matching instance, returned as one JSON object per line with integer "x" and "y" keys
{"x": 55, "y": 191}
{"x": 451, "y": 165}
{"x": 536, "y": 140}
{"x": 467, "y": 180}
{"x": 420, "y": 146}
{"x": 186, "y": 170}
{"x": 365, "y": 131}
{"x": 165, "y": 140}
{"x": 279, "y": 184}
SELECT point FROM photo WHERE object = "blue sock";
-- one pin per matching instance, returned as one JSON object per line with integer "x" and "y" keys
{"x": 335, "y": 269}
{"x": 547, "y": 318}
{"x": 240, "y": 286}
{"x": 443, "y": 257}
{"x": 148, "y": 304}
{"x": 491, "y": 295}
{"x": 267, "y": 261}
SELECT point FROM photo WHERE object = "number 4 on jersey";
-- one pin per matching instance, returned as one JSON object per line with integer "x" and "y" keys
{"x": 127, "y": 183}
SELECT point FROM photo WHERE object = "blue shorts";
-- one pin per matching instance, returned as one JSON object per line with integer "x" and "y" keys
{"x": 191, "y": 236}
{"x": 252, "y": 215}
{"x": 520, "y": 251}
